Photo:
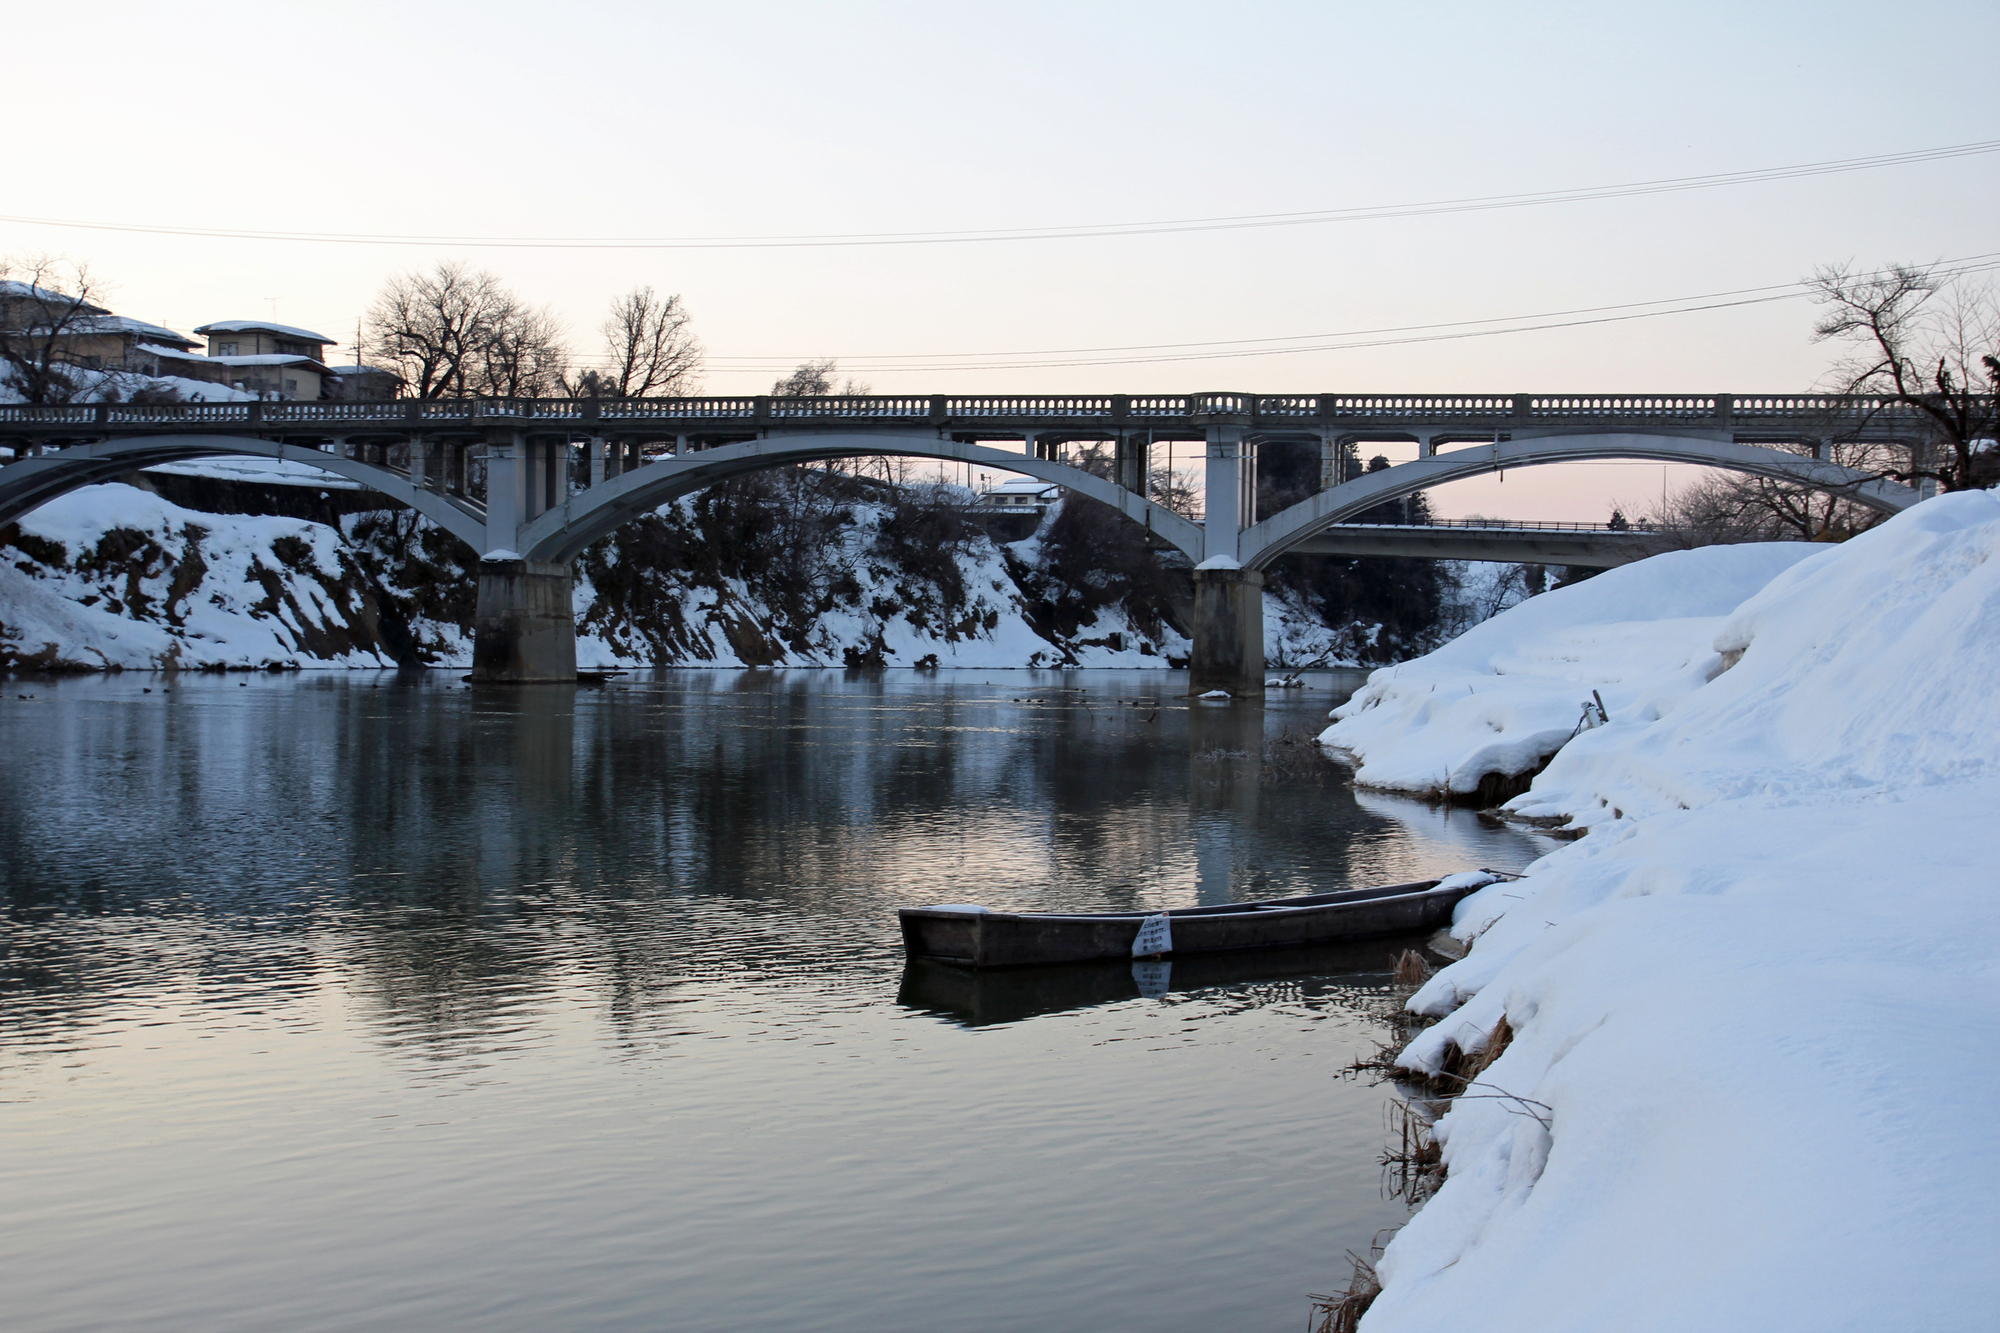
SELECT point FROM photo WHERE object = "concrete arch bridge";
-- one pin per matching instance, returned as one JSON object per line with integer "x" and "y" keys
{"x": 528, "y": 483}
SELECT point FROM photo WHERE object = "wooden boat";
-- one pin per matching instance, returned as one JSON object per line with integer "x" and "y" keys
{"x": 976, "y": 937}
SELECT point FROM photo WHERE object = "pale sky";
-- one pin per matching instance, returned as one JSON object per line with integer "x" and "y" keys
{"x": 758, "y": 119}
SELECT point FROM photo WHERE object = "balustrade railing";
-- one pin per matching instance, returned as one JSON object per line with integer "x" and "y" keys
{"x": 736, "y": 414}
{"x": 1440, "y": 408}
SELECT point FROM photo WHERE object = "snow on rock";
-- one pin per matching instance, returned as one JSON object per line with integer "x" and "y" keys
{"x": 1750, "y": 1010}
{"x": 116, "y": 577}
{"x": 121, "y": 578}
{"x": 1505, "y": 695}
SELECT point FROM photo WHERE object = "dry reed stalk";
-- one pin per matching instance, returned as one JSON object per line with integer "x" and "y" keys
{"x": 1341, "y": 1311}
{"x": 1412, "y": 971}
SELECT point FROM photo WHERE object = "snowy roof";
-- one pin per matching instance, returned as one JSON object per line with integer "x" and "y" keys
{"x": 1023, "y": 486}
{"x": 29, "y": 292}
{"x": 364, "y": 370}
{"x": 268, "y": 359}
{"x": 177, "y": 353}
{"x": 261, "y": 326}
{"x": 126, "y": 324}
{"x": 87, "y": 325}
{"x": 269, "y": 471}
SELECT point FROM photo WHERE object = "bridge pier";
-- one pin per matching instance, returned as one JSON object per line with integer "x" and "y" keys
{"x": 1134, "y": 466}
{"x": 524, "y": 626}
{"x": 1228, "y": 649}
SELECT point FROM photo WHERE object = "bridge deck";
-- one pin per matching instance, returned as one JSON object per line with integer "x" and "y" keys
{"x": 1747, "y": 418}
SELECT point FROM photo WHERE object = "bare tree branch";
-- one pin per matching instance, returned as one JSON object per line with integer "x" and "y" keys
{"x": 42, "y": 301}
{"x": 1927, "y": 340}
{"x": 455, "y": 332}
{"x": 650, "y": 348}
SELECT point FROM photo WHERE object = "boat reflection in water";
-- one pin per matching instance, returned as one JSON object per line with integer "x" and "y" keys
{"x": 979, "y": 996}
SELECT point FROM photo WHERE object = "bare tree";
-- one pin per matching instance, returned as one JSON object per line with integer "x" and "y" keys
{"x": 650, "y": 350}
{"x": 814, "y": 379}
{"x": 1174, "y": 488}
{"x": 455, "y": 332}
{"x": 526, "y": 357}
{"x": 1929, "y": 340}
{"x": 435, "y": 325}
{"x": 44, "y": 302}
{"x": 1719, "y": 508}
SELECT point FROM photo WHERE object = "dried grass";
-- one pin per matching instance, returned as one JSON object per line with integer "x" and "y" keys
{"x": 1413, "y": 1162}
{"x": 1412, "y": 971}
{"x": 1407, "y": 972}
{"x": 1413, "y": 1168}
{"x": 1341, "y": 1311}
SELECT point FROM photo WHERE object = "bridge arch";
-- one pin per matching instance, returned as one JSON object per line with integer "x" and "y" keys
{"x": 29, "y": 483}
{"x": 1266, "y": 541}
{"x": 561, "y": 534}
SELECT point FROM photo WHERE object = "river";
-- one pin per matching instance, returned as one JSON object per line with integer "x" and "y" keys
{"x": 340, "y": 1000}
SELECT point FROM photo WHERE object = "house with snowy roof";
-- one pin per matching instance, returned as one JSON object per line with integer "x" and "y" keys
{"x": 363, "y": 384}
{"x": 115, "y": 342}
{"x": 274, "y": 360}
{"x": 25, "y": 306}
{"x": 1021, "y": 495}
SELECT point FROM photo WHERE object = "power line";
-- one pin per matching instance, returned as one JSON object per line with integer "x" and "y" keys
{"x": 1315, "y": 217}
{"x": 1333, "y": 342}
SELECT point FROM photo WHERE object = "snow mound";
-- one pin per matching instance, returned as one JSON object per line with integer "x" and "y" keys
{"x": 1505, "y": 695}
{"x": 1869, "y": 667}
{"x": 1736, "y": 1091}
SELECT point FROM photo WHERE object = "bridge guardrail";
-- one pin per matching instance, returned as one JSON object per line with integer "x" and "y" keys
{"x": 1808, "y": 413}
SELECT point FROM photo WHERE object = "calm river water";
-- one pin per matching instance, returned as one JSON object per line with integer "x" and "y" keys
{"x": 343, "y": 1001}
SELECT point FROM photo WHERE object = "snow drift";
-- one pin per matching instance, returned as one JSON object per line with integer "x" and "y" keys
{"x": 1738, "y": 1092}
{"x": 1501, "y": 698}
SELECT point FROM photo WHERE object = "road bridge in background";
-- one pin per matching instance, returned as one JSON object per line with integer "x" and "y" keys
{"x": 1587, "y": 545}
{"x": 528, "y": 483}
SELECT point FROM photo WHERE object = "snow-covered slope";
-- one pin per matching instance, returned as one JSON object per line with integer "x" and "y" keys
{"x": 112, "y": 576}
{"x": 1750, "y": 1012}
{"x": 1502, "y": 697}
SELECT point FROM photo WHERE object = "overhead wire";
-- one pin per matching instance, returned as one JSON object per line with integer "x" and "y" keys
{"x": 1235, "y": 349}
{"x": 1086, "y": 231}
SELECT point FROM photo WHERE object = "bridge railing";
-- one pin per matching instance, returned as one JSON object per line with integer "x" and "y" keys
{"x": 1514, "y": 524}
{"x": 1828, "y": 413}
{"x": 1414, "y": 408}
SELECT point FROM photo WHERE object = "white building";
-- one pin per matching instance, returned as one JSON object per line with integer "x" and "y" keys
{"x": 1021, "y": 495}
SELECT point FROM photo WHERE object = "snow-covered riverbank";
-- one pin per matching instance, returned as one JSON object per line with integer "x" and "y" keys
{"x": 1752, "y": 1012}
{"x": 116, "y": 577}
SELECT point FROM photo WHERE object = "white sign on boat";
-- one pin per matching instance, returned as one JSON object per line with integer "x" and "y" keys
{"x": 1155, "y": 936}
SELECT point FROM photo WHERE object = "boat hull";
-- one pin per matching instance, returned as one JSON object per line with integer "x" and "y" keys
{"x": 975, "y": 938}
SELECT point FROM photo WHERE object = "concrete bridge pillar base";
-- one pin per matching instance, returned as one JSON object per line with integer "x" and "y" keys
{"x": 524, "y": 628}
{"x": 1228, "y": 633}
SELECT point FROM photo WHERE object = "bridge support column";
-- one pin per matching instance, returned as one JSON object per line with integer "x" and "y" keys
{"x": 1230, "y": 491}
{"x": 1228, "y": 633}
{"x": 1134, "y": 467}
{"x": 524, "y": 628}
